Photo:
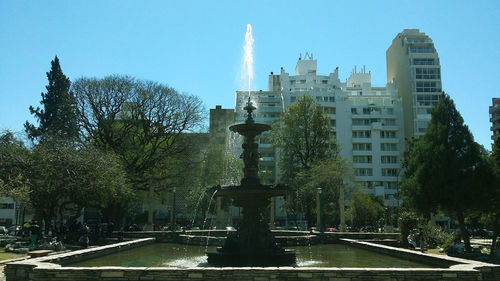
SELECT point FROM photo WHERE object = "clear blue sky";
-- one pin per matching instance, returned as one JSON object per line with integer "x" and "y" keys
{"x": 196, "y": 46}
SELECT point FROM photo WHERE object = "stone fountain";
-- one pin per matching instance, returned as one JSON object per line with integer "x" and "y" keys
{"x": 253, "y": 243}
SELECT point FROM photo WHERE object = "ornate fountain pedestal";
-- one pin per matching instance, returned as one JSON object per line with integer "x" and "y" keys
{"x": 253, "y": 243}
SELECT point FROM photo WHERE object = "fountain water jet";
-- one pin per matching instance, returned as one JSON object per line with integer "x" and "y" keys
{"x": 253, "y": 243}
{"x": 248, "y": 57}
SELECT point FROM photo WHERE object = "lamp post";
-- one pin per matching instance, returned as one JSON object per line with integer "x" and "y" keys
{"x": 342, "y": 207}
{"x": 319, "y": 224}
{"x": 172, "y": 213}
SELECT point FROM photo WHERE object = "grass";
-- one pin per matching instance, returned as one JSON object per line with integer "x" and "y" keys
{"x": 8, "y": 255}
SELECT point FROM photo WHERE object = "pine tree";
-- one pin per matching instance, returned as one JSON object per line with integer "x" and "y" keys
{"x": 58, "y": 117}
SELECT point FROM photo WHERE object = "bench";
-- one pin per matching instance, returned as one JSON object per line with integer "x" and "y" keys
{"x": 39, "y": 253}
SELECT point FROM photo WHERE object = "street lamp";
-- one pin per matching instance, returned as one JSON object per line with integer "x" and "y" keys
{"x": 342, "y": 207}
{"x": 319, "y": 224}
{"x": 172, "y": 213}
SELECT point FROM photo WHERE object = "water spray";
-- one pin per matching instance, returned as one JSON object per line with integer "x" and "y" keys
{"x": 248, "y": 58}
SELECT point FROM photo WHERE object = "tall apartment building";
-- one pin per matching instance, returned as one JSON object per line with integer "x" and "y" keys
{"x": 413, "y": 66}
{"x": 495, "y": 117}
{"x": 367, "y": 121}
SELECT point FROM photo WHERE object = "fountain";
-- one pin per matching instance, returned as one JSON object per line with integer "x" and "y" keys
{"x": 253, "y": 243}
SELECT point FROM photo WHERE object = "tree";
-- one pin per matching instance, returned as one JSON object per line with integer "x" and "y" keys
{"x": 445, "y": 169}
{"x": 64, "y": 180}
{"x": 217, "y": 167}
{"x": 141, "y": 121}
{"x": 304, "y": 137}
{"x": 492, "y": 203}
{"x": 58, "y": 117}
{"x": 14, "y": 166}
{"x": 366, "y": 209}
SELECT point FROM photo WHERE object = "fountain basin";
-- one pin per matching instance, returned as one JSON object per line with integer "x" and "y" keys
{"x": 50, "y": 268}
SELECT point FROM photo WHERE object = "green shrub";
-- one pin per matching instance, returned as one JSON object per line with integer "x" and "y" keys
{"x": 407, "y": 221}
{"x": 434, "y": 236}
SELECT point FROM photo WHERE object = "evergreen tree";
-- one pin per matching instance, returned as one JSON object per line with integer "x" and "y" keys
{"x": 58, "y": 117}
{"x": 492, "y": 203}
{"x": 445, "y": 169}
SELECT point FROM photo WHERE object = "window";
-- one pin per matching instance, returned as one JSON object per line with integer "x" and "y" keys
{"x": 391, "y": 185}
{"x": 292, "y": 82}
{"x": 421, "y": 50}
{"x": 364, "y": 122}
{"x": 389, "y": 122}
{"x": 363, "y": 172}
{"x": 361, "y": 134}
{"x": 324, "y": 81}
{"x": 427, "y": 87}
{"x": 415, "y": 40}
{"x": 387, "y": 134}
{"x": 427, "y": 73}
{"x": 389, "y": 172}
{"x": 423, "y": 111}
{"x": 318, "y": 98}
{"x": 329, "y": 110}
{"x": 423, "y": 62}
{"x": 6, "y": 205}
{"x": 354, "y": 110}
{"x": 427, "y": 100}
{"x": 325, "y": 99}
{"x": 333, "y": 122}
{"x": 389, "y": 159}
{"x": 370, "y": 110}
{"x": 421, "y": 126}
{"x": 389, "y": 146}
{"x": 390, "y": 110}
{"x": 361, "y": 146}
{"x": 293, "y": 99}
{"x": 362, "y": 159}
{"x": 331, "y": 99}
{"x": 301, "y": 82}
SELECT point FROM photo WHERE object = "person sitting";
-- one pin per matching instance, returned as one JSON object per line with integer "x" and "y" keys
{"x": 411, "y": 241}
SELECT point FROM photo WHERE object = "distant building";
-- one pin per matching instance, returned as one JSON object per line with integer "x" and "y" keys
{"x": 220, "y": 120}
{"x": 367, "y": 121}
{"x": 414, "y": 68}
{"x": 495, "y": 117}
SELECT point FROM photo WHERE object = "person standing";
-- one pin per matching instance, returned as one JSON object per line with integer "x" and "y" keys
{"x": 422, "y": 242}
{"x": 34, "y": 233}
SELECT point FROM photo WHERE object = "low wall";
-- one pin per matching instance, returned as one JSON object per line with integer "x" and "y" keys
{"x": 44, "y": 272}
{"x": 49, "y": 268}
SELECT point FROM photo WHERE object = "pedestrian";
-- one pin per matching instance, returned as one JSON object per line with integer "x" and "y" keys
{"x": 422, "y": 242}
{"x": 34, "y": 233}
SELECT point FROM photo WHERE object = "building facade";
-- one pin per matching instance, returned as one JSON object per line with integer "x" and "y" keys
{"x": 414, "y": 68}
{"x": 367, "y": 121}
{"x": 495, "y": 118}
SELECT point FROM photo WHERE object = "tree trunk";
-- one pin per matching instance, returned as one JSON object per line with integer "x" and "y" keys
{"x": 496, "y": 233}
{"x": 464, "y": 232}
{"x": 150, "y": 208}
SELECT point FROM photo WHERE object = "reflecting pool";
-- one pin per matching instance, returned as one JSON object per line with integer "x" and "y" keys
{"x": 177, "y": 255}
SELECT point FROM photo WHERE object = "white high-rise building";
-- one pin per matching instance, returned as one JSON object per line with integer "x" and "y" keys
{"x": 367, "y": 120}
{"x": 413, "y": 66}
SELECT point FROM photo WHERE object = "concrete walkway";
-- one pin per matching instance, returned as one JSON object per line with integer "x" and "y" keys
{"x": 2, "y": 276}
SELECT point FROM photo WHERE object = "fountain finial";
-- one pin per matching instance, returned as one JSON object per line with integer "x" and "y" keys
{"x": 249, "y": 108}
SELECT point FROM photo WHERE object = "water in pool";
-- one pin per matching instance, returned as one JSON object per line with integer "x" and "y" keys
{"x": 177, "y": 255}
